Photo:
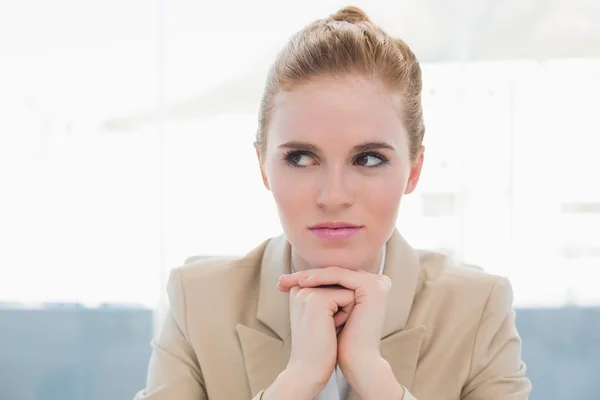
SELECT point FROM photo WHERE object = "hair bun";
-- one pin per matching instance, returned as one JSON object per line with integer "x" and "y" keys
{"x": 350, "y": 14}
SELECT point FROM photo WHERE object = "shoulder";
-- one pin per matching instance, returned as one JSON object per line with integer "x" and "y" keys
{"x": 469, "y": 328}
{"x": 462, "y": 308}
{"x": 465, "y": 290}
{"x": 441, "y": 273}
{"x": 211, "y": 276}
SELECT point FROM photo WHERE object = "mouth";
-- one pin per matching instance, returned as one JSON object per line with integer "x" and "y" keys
{"x": 335, "y": 230}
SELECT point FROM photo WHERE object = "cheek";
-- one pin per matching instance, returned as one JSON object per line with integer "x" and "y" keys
{"x": 291, "y": 191}
{"x": 382, "y": 198}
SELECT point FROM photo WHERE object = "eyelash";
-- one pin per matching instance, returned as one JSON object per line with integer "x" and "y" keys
{"x": 287, "y": 157}
{"x": 377, "y": 155}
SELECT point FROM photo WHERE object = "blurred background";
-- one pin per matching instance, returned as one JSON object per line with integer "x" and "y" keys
{"x": 126, "y": 132}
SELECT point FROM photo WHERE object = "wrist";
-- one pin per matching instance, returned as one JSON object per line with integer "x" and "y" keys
{"x": 376, "y": 380}
{"x": 292, "y": 383}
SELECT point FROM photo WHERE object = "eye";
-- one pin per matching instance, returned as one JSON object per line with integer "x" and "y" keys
{"x": 298, "y": 158}
{"x": 371, "y": 160}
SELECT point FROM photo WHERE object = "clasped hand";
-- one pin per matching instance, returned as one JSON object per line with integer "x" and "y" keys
{"x": 336, "y": 318}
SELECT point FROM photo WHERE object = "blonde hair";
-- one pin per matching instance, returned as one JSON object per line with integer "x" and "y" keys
{"x": 347, "y": 43}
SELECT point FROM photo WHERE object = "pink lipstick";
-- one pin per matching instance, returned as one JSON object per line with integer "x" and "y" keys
{"x": 335, "y": 230}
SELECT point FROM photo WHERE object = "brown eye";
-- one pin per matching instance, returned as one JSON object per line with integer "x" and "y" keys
{"x": 297, "y": 158}
{"x": 370, "y": 160}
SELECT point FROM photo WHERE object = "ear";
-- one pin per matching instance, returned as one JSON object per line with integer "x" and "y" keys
{"x": 261, "y": 165}
{"x": 415, "y": 172}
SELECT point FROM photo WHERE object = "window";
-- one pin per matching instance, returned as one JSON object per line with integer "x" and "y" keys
{"x": 126, "y": 133}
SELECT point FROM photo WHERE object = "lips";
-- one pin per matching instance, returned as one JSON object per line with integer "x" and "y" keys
{"x": 334, "y": 225}
{"x": 335, "y": 230}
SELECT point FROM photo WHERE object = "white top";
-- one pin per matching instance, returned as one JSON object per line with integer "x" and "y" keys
{"x": 337, "y": 388}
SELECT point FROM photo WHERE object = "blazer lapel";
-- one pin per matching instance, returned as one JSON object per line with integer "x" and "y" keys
{"x": 401, "y": 346}
{"x": 264, "y": 357}
{"x": 266, "y": 351}
{"x": 403, "y": 267}
{"x": 401, "y": 350}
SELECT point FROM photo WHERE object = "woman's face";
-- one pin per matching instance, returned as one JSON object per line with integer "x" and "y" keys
{"x": 337, "y": 162}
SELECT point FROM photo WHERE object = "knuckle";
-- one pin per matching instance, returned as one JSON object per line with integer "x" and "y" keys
{"x": 383, "y": 283}
{"x": 309, "y": 297}
{"x": 306, "y": 296}
{"x": 315, "y": 300}
{"x": 300, "y": 275}
{"x": 300, "y": 294}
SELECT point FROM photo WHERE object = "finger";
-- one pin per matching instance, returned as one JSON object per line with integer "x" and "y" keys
{"x": 339, "y": 319}
{"x": 359, "y": 281}
{"x": 325, "y": 276}
{"x": 334, "y": 299}
{"x": 294, "y": 291}
{"x": 337, "y": 299}
{"x": 285, "y": 283}
{"x": 342, "y": 315}
{"x": 285, "y": 288}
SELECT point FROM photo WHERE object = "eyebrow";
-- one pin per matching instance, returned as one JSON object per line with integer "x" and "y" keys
{"x": 362, "y": 147}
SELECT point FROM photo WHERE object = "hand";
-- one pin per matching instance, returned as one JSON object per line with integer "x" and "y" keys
{"x": 315, "y": 313}
{"x": 358, "y": 343}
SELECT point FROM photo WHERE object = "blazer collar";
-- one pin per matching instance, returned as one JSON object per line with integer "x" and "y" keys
{"x": 273, "y": 308}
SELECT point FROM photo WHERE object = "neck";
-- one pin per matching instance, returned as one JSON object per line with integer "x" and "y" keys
{"x": 372, "y": 265}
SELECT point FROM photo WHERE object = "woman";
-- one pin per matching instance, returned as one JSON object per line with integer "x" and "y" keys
{"x": 340, "y": 306}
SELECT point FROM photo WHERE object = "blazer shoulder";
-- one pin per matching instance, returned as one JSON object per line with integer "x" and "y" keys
{"x": 211, "y": 269}
{"x": 447, "y": 275}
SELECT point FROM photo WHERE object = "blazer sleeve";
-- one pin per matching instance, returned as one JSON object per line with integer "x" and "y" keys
{"x": 497, "y": 371}
{"x": 173, "y": 372}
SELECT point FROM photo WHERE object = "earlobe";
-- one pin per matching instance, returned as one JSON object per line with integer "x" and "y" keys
{"x": 261, "y": 165}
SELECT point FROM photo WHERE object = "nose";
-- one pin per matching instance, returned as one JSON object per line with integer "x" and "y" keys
{"x": 334, "y": 192}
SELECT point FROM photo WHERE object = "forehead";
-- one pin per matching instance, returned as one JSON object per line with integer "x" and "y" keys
{"x": 348, "y": 109}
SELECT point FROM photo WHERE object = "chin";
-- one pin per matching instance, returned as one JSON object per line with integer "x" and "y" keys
{"x": 353, "y": 254}
{"x": 336, "y": 258}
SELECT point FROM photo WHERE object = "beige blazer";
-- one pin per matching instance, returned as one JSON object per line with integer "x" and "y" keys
{"x": 449, "y": 332}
